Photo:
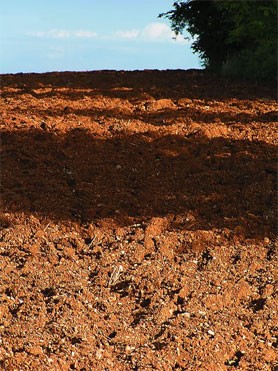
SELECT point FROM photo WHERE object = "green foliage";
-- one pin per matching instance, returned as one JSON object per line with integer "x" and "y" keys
{"x": 206, "y": 25}
{"x": 236, "y": 38}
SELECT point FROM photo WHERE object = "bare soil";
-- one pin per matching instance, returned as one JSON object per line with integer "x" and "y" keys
{"x": 138, "y": 222}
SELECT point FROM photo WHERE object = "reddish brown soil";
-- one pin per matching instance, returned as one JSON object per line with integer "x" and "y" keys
{"x": 138, "y": 222}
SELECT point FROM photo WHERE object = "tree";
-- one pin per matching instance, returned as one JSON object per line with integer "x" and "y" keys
{"x": 237, "y": 38}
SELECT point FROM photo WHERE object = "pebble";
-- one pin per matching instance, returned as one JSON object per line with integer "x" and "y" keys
{"x": 266, "y": 240}
{"x": 210, "y": 332}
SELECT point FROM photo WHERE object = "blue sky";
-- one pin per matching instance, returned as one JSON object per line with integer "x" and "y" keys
{"x": 82, "y": 35}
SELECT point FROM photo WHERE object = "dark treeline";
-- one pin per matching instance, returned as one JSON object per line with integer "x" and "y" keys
{"x": 234, "y": 38}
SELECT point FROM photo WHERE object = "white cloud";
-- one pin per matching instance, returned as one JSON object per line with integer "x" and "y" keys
{"x": 85, "y": 34}
{"x": 63, "y": 34}
{"x": 52, "y": 34}
{"x": 157, "y": 31}
{"x": 153, "y": 32}
{"x": 128, "y": 34}
{"x": 160, "y": 32}
{"x": 181, "y": 39}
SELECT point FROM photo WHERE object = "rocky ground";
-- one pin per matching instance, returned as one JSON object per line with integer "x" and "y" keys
{"x": 138, "y": 222}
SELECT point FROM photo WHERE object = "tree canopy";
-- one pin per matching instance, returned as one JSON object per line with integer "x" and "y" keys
{"x": 237, "y": 38}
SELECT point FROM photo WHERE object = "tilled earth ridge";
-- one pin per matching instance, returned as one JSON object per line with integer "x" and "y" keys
{"x": 138, "y": 222}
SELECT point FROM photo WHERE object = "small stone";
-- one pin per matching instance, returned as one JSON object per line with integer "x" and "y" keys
{"x": 35, "y": 350}
{"x": 184, "y": 292}
{"x": 129, "y": 349}
{"x": 210, "y": 332}
{"x": 99, "y": 353}
{"x": 186, "y": 314}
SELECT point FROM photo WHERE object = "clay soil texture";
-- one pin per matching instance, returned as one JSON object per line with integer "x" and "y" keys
{"x": 138, "y": 222}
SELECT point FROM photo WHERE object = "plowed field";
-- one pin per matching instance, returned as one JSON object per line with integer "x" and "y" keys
{"x": 138, "y": 222}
